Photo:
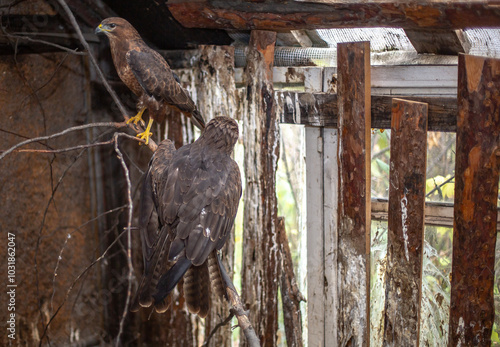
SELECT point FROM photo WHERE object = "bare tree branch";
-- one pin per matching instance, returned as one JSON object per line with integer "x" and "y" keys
{"x": 64, "y": 132}
{"x": 129, "y": 239}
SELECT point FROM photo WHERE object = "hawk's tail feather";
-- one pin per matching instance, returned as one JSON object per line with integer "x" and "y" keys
{"x": 215, "y": 276}
{"x": 197, "y": 290}
{"x": 162, "y": 306}
{"x": 169, "y": 280}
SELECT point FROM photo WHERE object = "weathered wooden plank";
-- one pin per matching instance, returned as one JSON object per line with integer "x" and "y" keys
{"x": 330, "y": 223}
{"x": 354, "y": 193}
{"x": 406, "y": 223}
{"x": 476, "y": 192}
{"x": 294, "y": 15}
{"x": 261, "y": 141}
{"x": 321, "y": 109}
{"x": 436, "y": 213}
{"x": 315, "y": 238}
{"x": 447, "y": 42}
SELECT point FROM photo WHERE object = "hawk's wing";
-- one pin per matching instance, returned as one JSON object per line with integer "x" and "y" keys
{"x": 154, "y": 237}
{"x": 201, "y": 197}
{"x": 154, "y": 75}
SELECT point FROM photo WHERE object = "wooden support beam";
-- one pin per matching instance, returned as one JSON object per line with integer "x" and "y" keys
{"x": 321, "y": 109}
{"x": 261, "y": 141}
{"x": 294, "y": 15}
{"x": 445, "y": 41}
{"x": 472, "y": 308}
{"x": 405, "y": 238}
{"x": 354, "y": 194}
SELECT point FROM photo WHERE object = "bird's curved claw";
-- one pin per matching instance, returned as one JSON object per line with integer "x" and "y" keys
{"x": 145, "y": 136}
{"x": 136, "y": 119}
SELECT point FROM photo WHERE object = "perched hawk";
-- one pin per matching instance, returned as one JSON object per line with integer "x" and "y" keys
{"x": 147, "y": 74}
{"x": 188, "y": 204}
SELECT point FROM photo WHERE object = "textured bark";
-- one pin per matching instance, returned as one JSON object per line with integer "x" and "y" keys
{"x": 354, "y": 193}
{"x": 290, "y": 294}
{"x": 261, "y": 140}
{"x": 476, "y": 193}
{"x": 294, "y": 15}
{"x": 406, "y": 223}
{"x": 321, "y": 109}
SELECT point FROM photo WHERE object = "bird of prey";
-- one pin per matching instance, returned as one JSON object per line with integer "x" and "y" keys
{"x": 146, "y": 73}
{"x": 189, "y": 201}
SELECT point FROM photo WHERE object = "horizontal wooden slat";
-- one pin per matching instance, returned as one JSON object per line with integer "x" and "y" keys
{"x": 295, "y": 15}
{"x": 436, "y": 213}
{"x": 320, "y": 109}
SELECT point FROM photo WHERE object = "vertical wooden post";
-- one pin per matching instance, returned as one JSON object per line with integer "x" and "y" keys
{"x": 476, "y": 192}
{"x": 261, "y": 140}
{"x": 354, "y": 193}
{"x": 315, "y": 237}
{"x": 406, "y": 223}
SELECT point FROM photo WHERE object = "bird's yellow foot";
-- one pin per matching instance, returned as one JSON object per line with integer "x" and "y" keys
{"x": 137, "y": 118}
{"x": 147, "y": 133}
{"x": 145, "y": 136}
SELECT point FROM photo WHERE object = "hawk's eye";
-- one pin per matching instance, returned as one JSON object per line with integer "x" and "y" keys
{"x": 112, "y": 25}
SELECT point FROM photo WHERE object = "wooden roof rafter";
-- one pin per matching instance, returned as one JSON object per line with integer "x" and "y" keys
{"x": 280, "y": 15}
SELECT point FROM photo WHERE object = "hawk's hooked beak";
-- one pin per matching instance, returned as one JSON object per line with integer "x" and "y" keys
{"x": 100, "y": 30}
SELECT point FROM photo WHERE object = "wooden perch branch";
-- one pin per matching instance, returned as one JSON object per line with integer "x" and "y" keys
{"x": 238, "y": 309}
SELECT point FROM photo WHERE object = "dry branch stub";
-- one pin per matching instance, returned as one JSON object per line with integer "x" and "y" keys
{"x": 472, "y": 308}
{"x": 354, "y": 193}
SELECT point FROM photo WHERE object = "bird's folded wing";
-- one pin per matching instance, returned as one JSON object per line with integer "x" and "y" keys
{"x": 155, "y": 77}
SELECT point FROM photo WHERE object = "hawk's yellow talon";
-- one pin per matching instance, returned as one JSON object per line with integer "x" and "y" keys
{"x": 137, "y": 118}
{"x": 147, "y": 133}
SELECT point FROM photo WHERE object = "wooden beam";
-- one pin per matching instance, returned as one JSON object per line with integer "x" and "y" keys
{"x": 261, "y": 139}
{"x": 405, "y": 239}
{"x": 321, "y": 109}
{"x": 445, "y": 41}
{"x": 295, "y": 15}
{"x": 436, "y": 213}
{"x": 354, "y": 194}
{"x": 472, "y": 308}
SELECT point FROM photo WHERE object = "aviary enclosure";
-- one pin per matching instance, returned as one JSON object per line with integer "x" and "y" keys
{"x": 357, "y": 270}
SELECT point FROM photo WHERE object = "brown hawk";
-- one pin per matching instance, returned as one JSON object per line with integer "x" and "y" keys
{"x": 146, "y": 73}
{"x": 188, "y": 204}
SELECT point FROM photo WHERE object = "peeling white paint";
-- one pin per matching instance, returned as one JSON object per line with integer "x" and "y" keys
{"x": 461, "y": 331}
{"x": 404, "y": 217}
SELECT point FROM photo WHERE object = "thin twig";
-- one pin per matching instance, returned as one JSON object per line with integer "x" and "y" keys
{"x": 129, "y": 239}
{"x": 438, "y": 187}
{"x": 48, "y": 43}
{"x": 68, "y": 292}
{"x": 152, "y": 145}
{"x": 64, "y": 132}
{"x": 218, "y": 326}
